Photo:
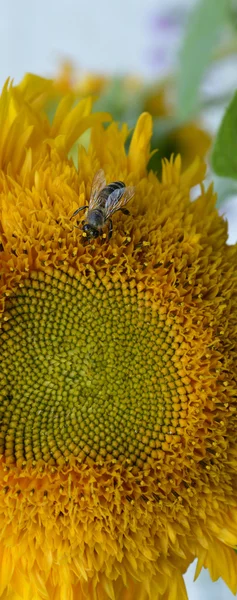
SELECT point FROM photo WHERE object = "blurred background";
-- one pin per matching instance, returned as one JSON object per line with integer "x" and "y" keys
{"x": 177, "y": 59}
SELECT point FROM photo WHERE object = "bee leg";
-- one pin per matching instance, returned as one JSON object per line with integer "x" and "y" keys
{"x": 125, "y": 211}
{"x": 79, "y": 210}
{"x": 110, "y": 229}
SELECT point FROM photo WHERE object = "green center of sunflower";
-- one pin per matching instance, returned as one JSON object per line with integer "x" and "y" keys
{"x": 88, "y": 370}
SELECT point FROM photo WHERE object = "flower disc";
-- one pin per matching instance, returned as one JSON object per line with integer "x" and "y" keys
{"x": 93, "y": 373}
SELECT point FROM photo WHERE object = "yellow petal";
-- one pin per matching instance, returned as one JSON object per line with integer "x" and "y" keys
{"x": 139, "y": 150}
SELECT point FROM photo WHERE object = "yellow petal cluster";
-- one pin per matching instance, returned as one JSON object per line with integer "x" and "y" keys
{"x": 26, "y": 130}
{"x": 189, "y": 139}
{"x": 117, "y": 385}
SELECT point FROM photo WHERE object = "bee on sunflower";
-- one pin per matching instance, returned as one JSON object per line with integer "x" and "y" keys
{"x": 118, "y": 390}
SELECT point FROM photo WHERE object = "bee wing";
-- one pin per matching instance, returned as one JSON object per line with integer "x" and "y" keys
{"x": 118, "y": 199}
{"x": 98, "y": 183}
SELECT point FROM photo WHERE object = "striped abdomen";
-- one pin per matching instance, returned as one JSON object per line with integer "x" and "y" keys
{"x": 105, "y": 193}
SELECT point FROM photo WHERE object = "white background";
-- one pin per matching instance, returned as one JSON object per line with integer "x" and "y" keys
{"x": 105, "y": 36}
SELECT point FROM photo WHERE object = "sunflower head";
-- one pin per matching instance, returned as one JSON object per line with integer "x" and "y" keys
{"x": 118, "y": 391}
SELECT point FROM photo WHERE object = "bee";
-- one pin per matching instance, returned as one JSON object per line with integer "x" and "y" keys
{"x": 104, "y": 201}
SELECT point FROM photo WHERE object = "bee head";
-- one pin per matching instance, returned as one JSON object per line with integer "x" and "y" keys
{"x": 90, "y": 231}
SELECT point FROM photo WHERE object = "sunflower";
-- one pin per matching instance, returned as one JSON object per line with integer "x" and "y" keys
{"x": 118, "y": 414}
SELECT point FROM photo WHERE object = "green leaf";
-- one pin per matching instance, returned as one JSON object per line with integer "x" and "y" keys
{"x": 224, "y": 154}
{"x": 202, "y": 35}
